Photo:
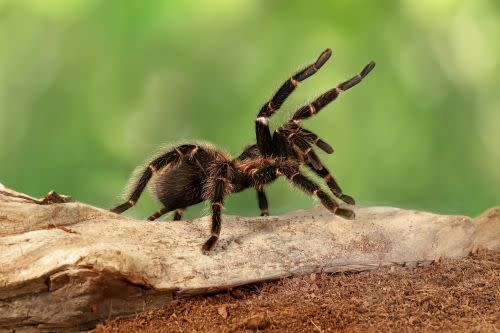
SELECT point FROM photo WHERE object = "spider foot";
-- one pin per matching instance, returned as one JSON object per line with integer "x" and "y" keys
{"x": 347, "y": 199}
{"x": 345, "y": 213}
{"x": 209, "y": 244}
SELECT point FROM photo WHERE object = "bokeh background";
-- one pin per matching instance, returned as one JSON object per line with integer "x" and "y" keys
{"x": 89, "y": 89}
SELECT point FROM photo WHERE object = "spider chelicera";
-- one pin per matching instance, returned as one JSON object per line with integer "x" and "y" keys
{"x": 192, "y": 173}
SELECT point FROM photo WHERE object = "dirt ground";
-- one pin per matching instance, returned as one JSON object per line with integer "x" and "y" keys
{"x": 450, "y": 295}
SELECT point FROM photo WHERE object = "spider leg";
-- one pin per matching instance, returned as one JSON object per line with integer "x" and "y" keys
{"x": 159, "y": 213}
{"x": 290, "y": 129}
{"x": 261, "y": 196}
{"x": 220, "y": 188}
{"x": 303, "y": 139}
{"x": 313, "y": 108}
{"x": 264, "y": 140}
{"x": 292, "y": 173}
{"x": 178, "y": 213}
{"x": 316, "y": 140}
{"x": 301, "y": 146}
{"x": 166, "y": 160}
{"x": 307, "y": 152}
{"x": 310, "y": 187}
{"x": 164, "y": 210}
{"x": 332, "y": 184}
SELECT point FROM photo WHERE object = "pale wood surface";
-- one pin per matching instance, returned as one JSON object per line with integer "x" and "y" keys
{"x": 70, "y": 265}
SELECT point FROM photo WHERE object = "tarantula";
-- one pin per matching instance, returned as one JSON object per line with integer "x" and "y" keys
{"x": 192, "y": 173}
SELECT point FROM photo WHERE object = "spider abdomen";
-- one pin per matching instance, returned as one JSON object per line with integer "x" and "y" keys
{"x": 180, "y": 187}
{"x": 185, "y": 183}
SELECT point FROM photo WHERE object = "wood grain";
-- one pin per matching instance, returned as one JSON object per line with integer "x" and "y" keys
{"x": 68, "y": 266}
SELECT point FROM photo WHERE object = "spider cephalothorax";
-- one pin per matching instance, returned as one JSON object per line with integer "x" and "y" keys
{"x": 191, "y": 173}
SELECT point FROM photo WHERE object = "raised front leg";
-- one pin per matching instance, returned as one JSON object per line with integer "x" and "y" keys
{"x": 264, "y": 141}
{"x": 315, "y": 106}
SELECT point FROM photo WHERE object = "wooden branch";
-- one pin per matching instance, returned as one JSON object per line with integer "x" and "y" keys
{"x": 66, "y": 265}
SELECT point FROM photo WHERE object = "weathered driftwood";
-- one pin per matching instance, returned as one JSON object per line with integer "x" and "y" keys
{"x": 69, "y": 265}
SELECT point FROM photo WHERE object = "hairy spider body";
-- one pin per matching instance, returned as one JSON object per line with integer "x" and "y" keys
{"x": 192, "y": 173}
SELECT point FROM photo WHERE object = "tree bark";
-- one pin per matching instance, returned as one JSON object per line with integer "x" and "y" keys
{"x": 66, "y": 265}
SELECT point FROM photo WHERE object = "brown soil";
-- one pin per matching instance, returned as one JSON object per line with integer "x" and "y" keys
{"x": 450, "y": 295}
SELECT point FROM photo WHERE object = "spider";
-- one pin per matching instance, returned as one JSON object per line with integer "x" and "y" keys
{"x": 192, "y": 173}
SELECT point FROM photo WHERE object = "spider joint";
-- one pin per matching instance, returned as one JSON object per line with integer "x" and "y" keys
{"x": 271, "y": 107}
{"x": 263, "y": 120}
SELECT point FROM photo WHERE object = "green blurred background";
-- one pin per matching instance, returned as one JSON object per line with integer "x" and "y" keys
{"x": 89, "y": 89}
